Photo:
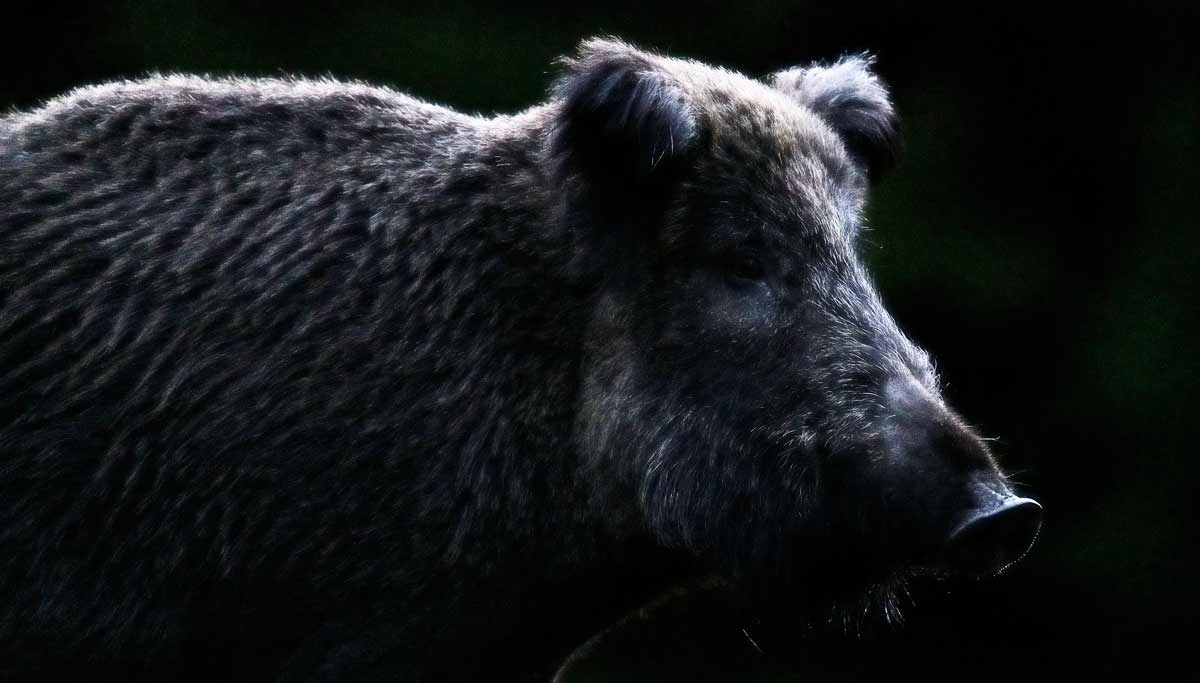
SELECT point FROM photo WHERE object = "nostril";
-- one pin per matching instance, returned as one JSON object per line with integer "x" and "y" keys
{"x": 988, "y": 542}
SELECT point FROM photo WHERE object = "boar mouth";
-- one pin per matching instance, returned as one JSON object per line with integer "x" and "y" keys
{"x": 857, "y": 603}
{"x": 862, "y": 586}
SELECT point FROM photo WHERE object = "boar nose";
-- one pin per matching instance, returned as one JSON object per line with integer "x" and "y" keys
{"x": 994, "y": 536}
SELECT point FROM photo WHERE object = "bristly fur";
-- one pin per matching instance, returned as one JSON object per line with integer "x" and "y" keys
{"x": 314, "y": 380}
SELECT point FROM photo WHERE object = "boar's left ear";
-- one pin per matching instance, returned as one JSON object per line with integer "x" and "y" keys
{"x": 625, "y": 122}
{"x": 854, "y": 102}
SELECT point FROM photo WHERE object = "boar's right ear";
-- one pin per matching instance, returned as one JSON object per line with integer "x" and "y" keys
{"x": 625, "y": 124}
{"x": 854, "y": 102}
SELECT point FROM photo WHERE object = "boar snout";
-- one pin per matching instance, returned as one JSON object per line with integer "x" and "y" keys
{"x": 996, "y": 534}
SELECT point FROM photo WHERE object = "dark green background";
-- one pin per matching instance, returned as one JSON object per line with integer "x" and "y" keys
{"x": 1040, "y": 238}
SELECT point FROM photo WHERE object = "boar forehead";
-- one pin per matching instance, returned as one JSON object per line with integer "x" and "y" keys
{"x": 775, "y": 176}
{"x": 778, "y": 179}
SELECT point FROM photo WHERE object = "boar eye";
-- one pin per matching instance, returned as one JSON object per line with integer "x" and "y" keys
{"x": 743, "y": 268}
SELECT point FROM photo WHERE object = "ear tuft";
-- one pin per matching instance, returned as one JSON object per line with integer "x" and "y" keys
{"x": 624, "y": 116}
{"x": 855, "y": 102}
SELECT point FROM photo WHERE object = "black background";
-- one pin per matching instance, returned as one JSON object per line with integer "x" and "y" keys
{"x": 1039, "y": 237}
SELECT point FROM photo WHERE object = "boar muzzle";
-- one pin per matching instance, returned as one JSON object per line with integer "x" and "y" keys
{"x": 994, "y": 535}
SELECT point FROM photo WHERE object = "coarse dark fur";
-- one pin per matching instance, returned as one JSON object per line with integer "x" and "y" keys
{"x": 305, "y": 379}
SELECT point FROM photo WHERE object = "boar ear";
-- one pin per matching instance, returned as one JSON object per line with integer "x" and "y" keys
{"x": 625, "y": 121}
{"x": 854, "y": 102}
